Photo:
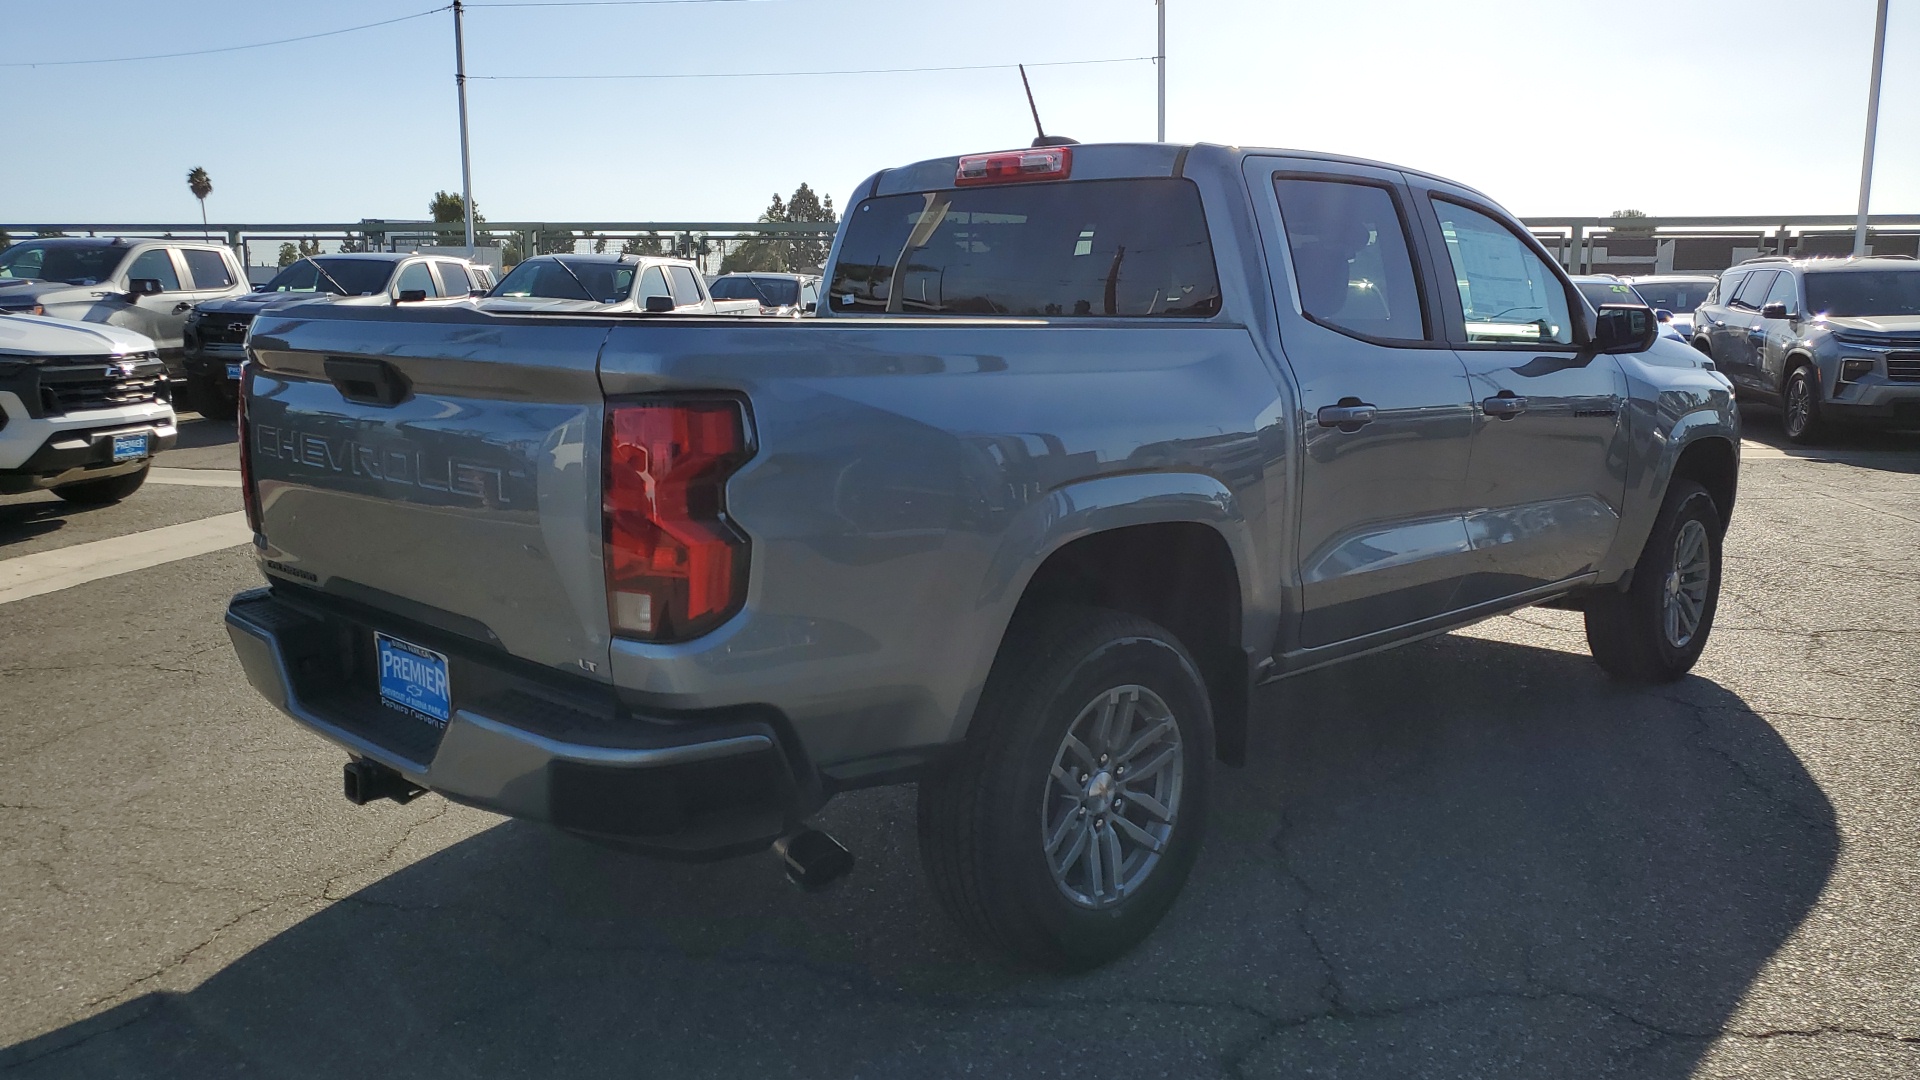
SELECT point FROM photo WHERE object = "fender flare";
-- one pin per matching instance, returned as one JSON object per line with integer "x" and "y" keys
{"x": 1083, "y": 509}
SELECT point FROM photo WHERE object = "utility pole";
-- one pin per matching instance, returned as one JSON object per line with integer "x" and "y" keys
{"x": 1160, "y": 62}
{"x": 1873, "y": 124}
{"x": 460, "y": 80}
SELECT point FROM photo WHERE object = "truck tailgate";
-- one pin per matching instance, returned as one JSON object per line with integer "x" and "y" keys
{"x": 449, "y": 474}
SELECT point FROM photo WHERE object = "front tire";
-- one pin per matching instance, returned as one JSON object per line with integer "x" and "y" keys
{"x": 1655, "y": 631}
{"x": 1800, "y": 407}
{"x": 213, "y": 398}
{"x": 110, "y": 489}
{"x": 1064, "y": 827}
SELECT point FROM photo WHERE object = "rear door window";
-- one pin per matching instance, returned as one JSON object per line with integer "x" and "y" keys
{"x": 453, "y": 278}
{"x": 155, "y": 263}
{"x": 208, "y": 269}
{"x": 1111, "y": 248}
{"x": 686, "y": 291}
{"x": 1753, "y": 291}
{"x": 1350, "y": 258}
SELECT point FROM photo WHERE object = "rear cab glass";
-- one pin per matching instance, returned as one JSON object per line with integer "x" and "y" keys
{"x": 1109, "y": 248}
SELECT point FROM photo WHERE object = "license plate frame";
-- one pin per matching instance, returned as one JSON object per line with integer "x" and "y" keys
{"x": 413, "y": 679}
{"x": 131, "y": 446}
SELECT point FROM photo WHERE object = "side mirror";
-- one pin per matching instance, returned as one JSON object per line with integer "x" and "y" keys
{"x": 476, "y": 292}
{"x": 1775, "y": 310}
{"x": 262, "y": 286}
{"x": 659, "y": 304}
{"x": 1663, "y": 314}
{"x": 411, "y": 296}
{"x": 143, "y": 286}
{"x": 1625, "y": 328}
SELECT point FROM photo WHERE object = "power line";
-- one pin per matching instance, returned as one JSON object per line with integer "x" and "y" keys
{"x": 605, "y": 3}
{"x": 227, "y": 48}
{"x": 784, "y": 74}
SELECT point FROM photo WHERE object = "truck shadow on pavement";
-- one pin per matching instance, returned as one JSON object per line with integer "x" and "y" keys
{"x": 1468, "y": 858}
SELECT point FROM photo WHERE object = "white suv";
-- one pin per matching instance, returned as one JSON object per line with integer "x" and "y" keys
{"x": 83, "y": 408}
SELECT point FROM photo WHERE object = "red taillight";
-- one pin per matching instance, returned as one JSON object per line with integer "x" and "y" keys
{"x": 676, "y": 567}
{"x": 1012, "y": 166}
{"x": 249, "y": 494}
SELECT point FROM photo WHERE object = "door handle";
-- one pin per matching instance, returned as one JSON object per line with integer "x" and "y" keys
{"x": 1351, "y": 414}
{"x": 1505, "y": 406}
{"x": 182, "y": 306}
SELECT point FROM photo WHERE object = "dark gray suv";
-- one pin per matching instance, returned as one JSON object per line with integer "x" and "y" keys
{"x": 1830, "y": 341}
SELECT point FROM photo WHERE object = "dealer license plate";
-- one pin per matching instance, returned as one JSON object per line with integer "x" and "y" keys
{"x": 233, "y": 371}
{"x": 130, "y": 447}
{"x": 414, "y": 679}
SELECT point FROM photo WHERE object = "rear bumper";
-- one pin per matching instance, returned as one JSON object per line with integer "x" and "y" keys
{"x": 526, "y": 746}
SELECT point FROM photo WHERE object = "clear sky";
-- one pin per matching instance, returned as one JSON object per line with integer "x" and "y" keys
{"x": 1550, "y": 106}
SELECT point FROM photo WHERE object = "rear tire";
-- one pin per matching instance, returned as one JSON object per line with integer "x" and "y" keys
{"x": 1033, "y": 836}
{"x": 1800, "y": 407}
{"x": 1655, "y": 631}
{"x": 110, "y": 489}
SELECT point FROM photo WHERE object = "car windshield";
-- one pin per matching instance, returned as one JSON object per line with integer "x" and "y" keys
{"x": 769, "y": 291}
{"x": 568, "y": 279}
{"x": 1864, "y": 292}
{"x": 1608, "y": 292}
{"x": 75, "y": 264}
{"x": 339, "y": 276}
{"x": 1679, "y": 297}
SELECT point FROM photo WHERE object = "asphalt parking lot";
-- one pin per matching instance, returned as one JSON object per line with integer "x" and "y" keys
{"x": 1474, "y": 857}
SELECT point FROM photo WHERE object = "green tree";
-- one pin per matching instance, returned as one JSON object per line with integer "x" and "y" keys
{"x": 643, "y": 244}
{"x": 1629, "y": 223}
{"x": 6, "y": 240}
{"x": 772, "y": 252}
{"x": 288, "y": 255}
{"x": 202, "y": 186}
{"x": 556, "y": 241}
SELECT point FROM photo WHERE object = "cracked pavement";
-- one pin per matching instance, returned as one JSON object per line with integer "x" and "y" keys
{"x": 1472, "y": 857}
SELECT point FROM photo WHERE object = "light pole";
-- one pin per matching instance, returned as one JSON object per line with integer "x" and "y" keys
{"x": 1873, "y": 124}
{"x": 1160, "y": 62}
{"x": 460, "y": 80}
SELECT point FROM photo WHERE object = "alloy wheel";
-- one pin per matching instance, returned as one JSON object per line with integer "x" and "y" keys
{"x": 1685, "y": 596}
{"x": 1113, "y": 798}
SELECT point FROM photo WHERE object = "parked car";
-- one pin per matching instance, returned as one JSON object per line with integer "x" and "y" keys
{"x": 216, "y": 332}
{"x": 608, "y": 283}
{"x": 1830, "y": 341}
{"x": 1599, "y": 289}
{"x": 147, "y": 286}
{"x": 83, "y": 408}
{"x": 1678, "y": 294}
{"x": 787, "y": 296}
{"x": 1087, "y": 442}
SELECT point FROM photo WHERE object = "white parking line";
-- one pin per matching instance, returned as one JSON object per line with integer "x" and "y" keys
{"x": 63, "y": 568}
{"x": 223, "y": 478}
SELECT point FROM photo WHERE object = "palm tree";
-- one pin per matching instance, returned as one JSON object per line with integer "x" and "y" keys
{"x": 201, "y": 186}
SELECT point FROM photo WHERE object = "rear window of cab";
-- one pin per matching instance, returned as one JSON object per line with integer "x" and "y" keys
{"x": 1104, "y": 248}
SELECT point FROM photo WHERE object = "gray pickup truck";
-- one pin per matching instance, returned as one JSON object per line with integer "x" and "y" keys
{"x": 1088, "y": 442}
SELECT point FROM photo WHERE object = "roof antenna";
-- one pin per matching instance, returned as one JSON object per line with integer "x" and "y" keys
{"x": 1041, "y": 138}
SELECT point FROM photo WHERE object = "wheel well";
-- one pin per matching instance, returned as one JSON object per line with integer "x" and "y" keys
{"x": 1798, "y": 360}
{"x": 1180, "y": 575}
{"x": 1701, "y": 345}
{"x": 1714, "y": 464}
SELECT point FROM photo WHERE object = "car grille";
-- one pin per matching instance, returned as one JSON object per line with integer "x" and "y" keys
{"x": 83, "y": 383}
{"x": 1904, "y": 366}
{"x": 218, "y": 329}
